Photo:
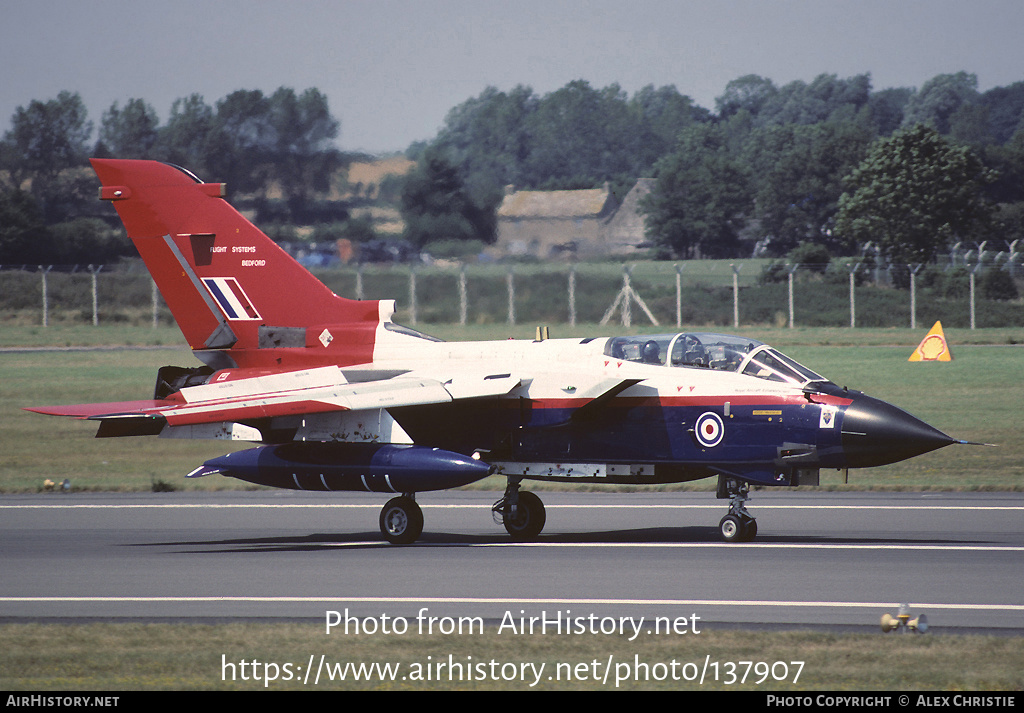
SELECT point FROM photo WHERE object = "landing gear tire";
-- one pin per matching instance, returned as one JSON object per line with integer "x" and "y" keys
{"x": 401, "y": 521}
{"x": 731, "y": 528}
{"x": 737, "y": 525}
{"x": 751, "y": 533}
{"x": 528, "y": 520}
{"x": 736, "y": 528}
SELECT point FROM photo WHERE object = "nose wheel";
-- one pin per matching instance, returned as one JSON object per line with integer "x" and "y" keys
{"x": 738, "y": 528}
{"x": 738, "y": 525}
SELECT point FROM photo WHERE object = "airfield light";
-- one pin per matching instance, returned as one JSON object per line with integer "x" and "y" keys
{"x": 902, "y": 621}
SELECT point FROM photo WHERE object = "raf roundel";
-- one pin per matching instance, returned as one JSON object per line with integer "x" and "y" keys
{"x": 710, "y": 429}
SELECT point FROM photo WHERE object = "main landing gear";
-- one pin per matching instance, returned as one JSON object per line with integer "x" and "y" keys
{"x": 738, "y": 525}
{"x": 401, "y": 520}
{"x": 521, "y": 512}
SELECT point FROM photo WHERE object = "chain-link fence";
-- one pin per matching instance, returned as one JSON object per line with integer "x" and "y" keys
{"x": 962, "y": 291}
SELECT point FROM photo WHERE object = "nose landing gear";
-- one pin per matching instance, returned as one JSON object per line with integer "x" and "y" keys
{"x": 738, "y": 525}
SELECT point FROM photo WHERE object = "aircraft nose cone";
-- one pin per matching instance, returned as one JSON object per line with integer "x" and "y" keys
{"x": 877, "y": 433}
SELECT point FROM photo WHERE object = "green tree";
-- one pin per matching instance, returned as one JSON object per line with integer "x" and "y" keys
{"x": 969, "y": 124}
{"x": 437, "y": 206}
{"x": 301, "y": 145}
{"x": 886, "y": 109}
{"x": 660, "y": 115}
{"x": 487, "y": 138}
{"x": 1010, "y": 221}
{"x": 130, "y": 132}
{"x": 1006, "y": 110}
{"x": 287, "y": 138}
{"x": 183, "y": 139}
{"x": 798, "y": 176}
{"x": 700, "y": 197}
{"x": 1008, "y": 159}
{"x": 46, "y": 139}
{"x": 913, "y": 194}
{"x": 238, "y": 141}
{"x": 998, "y": 285}
{"x": 825, "y": 98}
{"x": 581, "y": 137}
{"x": 24, "y": 237}
{"x": 749, "y": 92}
{"x": 574, "y": 137}
{"x": 85, "y": 241}
{"x": 938, "y": 100}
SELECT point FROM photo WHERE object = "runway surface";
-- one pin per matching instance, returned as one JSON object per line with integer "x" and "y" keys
{"x": 820, "y": 558}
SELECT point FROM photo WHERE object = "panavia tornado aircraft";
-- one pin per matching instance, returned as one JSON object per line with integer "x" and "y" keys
{"x": 344, "y": 399}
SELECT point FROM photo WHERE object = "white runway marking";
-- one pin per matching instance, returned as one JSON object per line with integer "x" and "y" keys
{"x": 760, "y": 545}
{"x": 477, "y": 506}
{"x": 505, "y": 602}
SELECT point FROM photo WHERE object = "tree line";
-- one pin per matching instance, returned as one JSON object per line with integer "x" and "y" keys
{"x": 247, "y": 139}
{"x": 831, "y": 163}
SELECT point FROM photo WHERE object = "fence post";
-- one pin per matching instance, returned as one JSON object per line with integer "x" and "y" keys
{"x": 95, "y": 300}
{"x": 627, "y": 289}
{"x": 359, "y": 281}
{"x": 735, "y": 295}
{"x": 412, "y": 294}
{"x": 463, "y": 299}
{"x": 153, "y": 294}
{"x": 853, "y": 299}
{"x": 679, "y": 296}
{"x": 975, "y": 270}
{"x": 914, "y": 269}
{"x": 572, "y": 296}
{"x": 46, "y": 297}
{"x": 510, "y": 281}
{"x": 791, "y": 269}
{"x": 972, "y": 295}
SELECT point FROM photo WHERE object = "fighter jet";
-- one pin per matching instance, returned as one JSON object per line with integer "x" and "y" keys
{"x": 341, "y": 398}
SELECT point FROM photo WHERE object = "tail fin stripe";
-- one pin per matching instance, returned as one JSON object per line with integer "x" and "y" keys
{"x": 218, "y": 294}
{"x": 231, "y": 297}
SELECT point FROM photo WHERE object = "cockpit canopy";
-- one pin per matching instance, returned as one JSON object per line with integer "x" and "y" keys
{"x": 702, "y": 350}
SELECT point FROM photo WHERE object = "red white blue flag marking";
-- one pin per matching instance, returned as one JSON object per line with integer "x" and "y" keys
{"x": 231, "y": 298}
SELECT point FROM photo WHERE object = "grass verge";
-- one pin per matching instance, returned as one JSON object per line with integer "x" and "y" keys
{"x": 137, "y": 656}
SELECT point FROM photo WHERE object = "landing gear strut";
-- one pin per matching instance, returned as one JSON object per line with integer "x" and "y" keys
{"x": 738, "y": 525}
{"x": 522, "y": 513}
{"x": 401, "y": 520}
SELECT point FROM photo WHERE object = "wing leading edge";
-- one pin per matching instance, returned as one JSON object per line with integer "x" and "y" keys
{"x": 297, "y": 393}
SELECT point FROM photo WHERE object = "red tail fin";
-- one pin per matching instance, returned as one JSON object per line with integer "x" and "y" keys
{"x": 232, "y": 290}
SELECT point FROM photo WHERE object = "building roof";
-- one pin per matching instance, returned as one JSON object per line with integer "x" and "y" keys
{"x": 587, "y": 203}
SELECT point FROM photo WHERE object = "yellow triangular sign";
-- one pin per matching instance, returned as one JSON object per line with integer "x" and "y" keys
{"x": 933, "y": 347}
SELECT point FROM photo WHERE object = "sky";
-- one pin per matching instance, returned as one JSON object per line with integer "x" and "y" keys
{"x": 392, "y": 69}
